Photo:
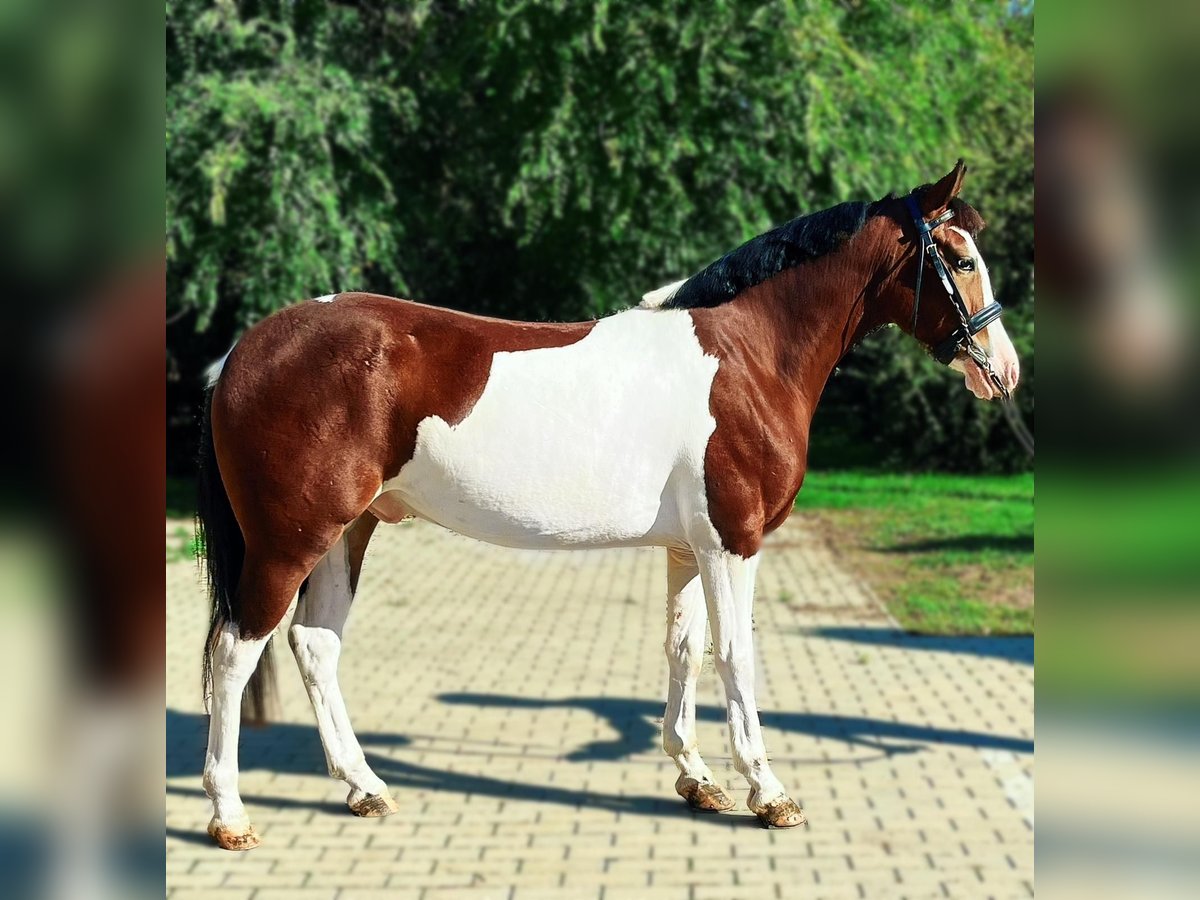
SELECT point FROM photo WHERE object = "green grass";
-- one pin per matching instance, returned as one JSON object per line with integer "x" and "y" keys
{"x": 183, "y": 544}
{"x": 949, "y": 554}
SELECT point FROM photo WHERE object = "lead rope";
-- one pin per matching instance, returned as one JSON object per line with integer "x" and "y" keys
{"x": 1020, "y": 431}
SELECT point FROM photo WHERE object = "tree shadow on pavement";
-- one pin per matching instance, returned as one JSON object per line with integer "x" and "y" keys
{"x": 969, "y": 543}
{"x": 1016, "y": 649}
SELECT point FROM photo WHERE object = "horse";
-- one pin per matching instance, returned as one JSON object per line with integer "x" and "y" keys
{"x": 680, "y": 423}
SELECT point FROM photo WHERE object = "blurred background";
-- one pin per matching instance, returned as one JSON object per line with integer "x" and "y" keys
{"x": 1119, "y": 565}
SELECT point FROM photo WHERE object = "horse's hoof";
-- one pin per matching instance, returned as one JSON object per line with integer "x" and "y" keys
{"x": 374, "y": 806}
{"x": 228, "y": 839}
{"x": 706, "y": 796}
{"x": 780, "y": 813}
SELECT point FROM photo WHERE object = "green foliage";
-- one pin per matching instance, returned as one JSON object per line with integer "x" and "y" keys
{"x": 555, "y": 160}
{"x": 276, "y": 188}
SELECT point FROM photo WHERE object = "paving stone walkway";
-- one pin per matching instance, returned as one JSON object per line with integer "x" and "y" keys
{"x": 512, "y": 700}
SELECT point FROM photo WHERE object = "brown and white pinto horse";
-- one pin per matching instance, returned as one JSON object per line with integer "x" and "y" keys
{"x": 682, "y": 424}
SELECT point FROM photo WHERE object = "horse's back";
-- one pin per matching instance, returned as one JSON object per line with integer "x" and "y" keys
{"x": 367, "y": 367}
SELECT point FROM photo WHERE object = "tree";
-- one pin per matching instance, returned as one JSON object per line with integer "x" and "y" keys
{"x": 557, "y": 159}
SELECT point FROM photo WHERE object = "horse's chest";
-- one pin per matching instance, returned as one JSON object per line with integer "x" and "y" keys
{"x": 597, "y": 442}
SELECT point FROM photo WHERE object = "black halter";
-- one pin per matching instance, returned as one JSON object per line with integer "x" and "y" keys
{"x": 962, "y": 338}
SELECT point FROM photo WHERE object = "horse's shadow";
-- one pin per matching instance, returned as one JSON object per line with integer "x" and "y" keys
{"x": 635, "y": 721}
{"x": 290, "y": 748}
{"x": 295, "y": 749}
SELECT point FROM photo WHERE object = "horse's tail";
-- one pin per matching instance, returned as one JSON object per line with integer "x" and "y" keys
{"x": 224, "y": 550}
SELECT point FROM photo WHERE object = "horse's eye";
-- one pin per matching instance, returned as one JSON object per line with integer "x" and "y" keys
{"x": 966, "y": 265}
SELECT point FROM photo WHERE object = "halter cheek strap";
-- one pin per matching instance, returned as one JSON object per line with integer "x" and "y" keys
{"x": 962, "y": 338}
{"x": 924, "y": 230}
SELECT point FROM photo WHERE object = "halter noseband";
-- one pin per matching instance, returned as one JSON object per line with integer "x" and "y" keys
{"x": 963, "y": 336}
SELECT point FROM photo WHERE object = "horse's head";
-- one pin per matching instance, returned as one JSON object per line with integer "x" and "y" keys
{"x": 954, "y": 314}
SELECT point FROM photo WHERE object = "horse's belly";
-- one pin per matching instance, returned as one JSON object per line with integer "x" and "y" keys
{"x": 539, "y": 510}
{"x": 599, "y": 443}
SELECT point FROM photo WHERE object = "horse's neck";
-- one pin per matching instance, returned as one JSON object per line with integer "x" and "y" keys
{"x": 796, "y": 327}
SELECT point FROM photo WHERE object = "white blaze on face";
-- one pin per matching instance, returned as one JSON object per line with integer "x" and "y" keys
{"x": 994, "y": 339}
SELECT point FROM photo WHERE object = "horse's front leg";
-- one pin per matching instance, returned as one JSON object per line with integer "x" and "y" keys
{"x": 729, "y": 587}
{"x": 686, "y": 622}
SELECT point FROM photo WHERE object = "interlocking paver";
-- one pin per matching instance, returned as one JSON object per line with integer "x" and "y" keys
{"x": 513, "y": 702}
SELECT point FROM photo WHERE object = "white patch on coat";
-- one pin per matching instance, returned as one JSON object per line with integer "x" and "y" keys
{"x": 213, "y": 373}
{"x": 656, "y": 298}
{"x": 328, "y": 298}
{"x": 994, "y": 338}
{"x": 598, "y": 443}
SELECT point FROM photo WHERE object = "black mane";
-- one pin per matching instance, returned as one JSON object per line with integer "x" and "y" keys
{"x": 799, "y": 241}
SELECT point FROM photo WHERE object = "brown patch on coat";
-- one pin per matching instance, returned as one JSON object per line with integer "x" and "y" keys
{"x": 778, "y": 343}
{"x": 320, "y": 403}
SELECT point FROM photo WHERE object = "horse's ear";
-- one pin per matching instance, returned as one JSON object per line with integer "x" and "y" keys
{"x": 937, "y": 197}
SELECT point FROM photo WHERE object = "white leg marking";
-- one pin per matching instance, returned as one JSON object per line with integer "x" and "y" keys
{"x": 729, "y": 586}
{"x": 233, "y": 662}
{"x": 316, "y": 641}
{"x": 686, "y": 621}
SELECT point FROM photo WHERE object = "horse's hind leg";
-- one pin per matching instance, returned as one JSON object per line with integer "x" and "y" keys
{"x": 235, "y": 655}
{"x": 316, "y": 640}
{"x": 686, "y": 620}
